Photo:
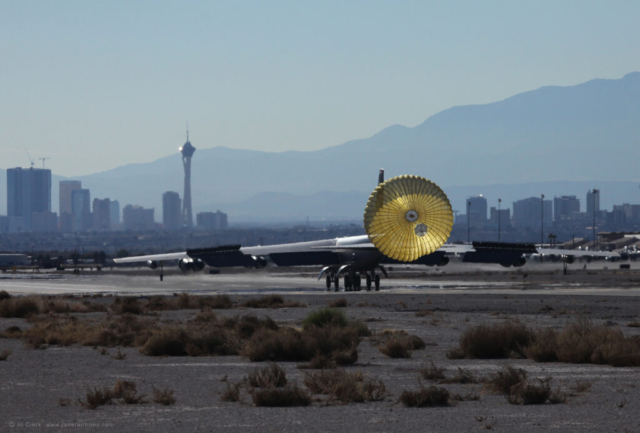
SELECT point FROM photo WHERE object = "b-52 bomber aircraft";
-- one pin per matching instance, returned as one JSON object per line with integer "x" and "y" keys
{"x": 407, "y": 219}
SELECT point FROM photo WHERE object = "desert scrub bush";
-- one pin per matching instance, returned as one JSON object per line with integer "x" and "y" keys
{"x": 425, "y": 397}
{"x": 4, "y": 295}
{"x": 271, "y": 301}
{"x": 431, "y": 372}
{"x": 127, "y": 304}
{"x": 396, "y": 347}
{"x": 281, "y": 397}
{"x": 462, "y": 376}
{"x": 326, "y": 316}
{"x": 270, "y": 376}
{"x": 184, "y": 301}
{"x": 127, "y": 392}
{"x": 4, "y": 355}
{"x": 497, "y": 340}
{"x": 338, "y": 303}
{"x": 288, "y": 344}
{"x": 20, "y": 307}
{"x": 346, "y": 387}
{"x": 231, "y": 393}
{"x": 96, "y": 397}
{"x": 163, "y": 396}
{"x": 504, "y": 379}
{"x": 538, "y": 392}
{"x": 543, "y": 346}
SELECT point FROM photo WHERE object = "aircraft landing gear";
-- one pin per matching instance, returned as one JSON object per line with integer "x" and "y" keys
{"x": 161, "y": 271}
{"x": 336, "y": 284}
{"x": 328, "y": 282}
{"x": 357, "y": 280}
{"x": 377, "y": 282}
{"x": 368, "y": 282}
{"x": 347, "y": 283}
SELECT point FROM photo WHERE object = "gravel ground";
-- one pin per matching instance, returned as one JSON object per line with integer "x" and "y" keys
{"x": 33, "y": 381}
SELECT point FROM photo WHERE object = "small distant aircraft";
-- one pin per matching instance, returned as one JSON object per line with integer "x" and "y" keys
{"x": 408, "y": 219}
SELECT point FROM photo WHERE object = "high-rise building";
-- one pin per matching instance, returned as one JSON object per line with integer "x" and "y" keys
{"x": 527, "y": 212}
{"x": 171, "y": 211}
{"x": 65, "y": 188}
{"x": 81, "y": 210}
{"x": 28, "y": 190}
{"x": 565, "y": 207}
{"x": 101, "y": 214}
{"x": 138, "y": 218}
{"x": 187, "y": 151}
{"x": 477, "y": 210}
{"x": 115, "y": 212}
{"x": 212, "y": 220}
{"x": 593, "y": 199}
{"x": 44, "y": 222}
{"x": 504, "y": 216}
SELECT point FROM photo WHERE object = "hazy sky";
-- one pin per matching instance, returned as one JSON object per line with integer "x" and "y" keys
{"x": 95, "y": 85}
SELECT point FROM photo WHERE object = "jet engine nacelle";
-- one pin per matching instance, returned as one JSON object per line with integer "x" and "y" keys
{"x": 520, "y": 261}
{"x": 444, "y": 261}
{"x": 186, "y": 265}
{"x": 152, "y": 264}
{"x": 259, "y": 262}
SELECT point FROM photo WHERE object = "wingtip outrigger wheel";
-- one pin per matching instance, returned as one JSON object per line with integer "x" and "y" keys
{"x": 408, "y": 217}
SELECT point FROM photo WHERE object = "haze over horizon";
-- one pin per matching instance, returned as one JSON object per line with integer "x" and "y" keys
{"x": 100, "y": 85}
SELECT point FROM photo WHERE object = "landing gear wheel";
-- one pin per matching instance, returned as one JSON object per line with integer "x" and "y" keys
{"x": 377, "y": 282}
{"x": 368, "y": 282}
{"x": 358, "y": 282}
{"x": 336, "y": 284}
{"x": 328, "y": 282}
{"x": 347, "y": 283}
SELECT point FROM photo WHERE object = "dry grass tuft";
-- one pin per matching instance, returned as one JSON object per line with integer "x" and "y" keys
{"x": 231, "y": 394}
{"x": 425, "y": 397}
{"x": 424, "y": 313}
{"x": 127, "y": 392}
{"x": 527, "y": 392}
{"x": 397, "y": 347}
{"x": 164, "y": 397}
{"x": 5, "y": 355}
{"x": 120, "y": 355}
{"x": 326, "y": 316}
{"x": 462, "y": 376}
{"x": 497, "y": 340}
{"x": 19, "y": 307}
{"x": 185, "y": 301}
{"x": 543, "y": 346}
{"x": 271, "y": 301}
{"x": 288, "y": 344}
{"x": 338, "y": 303}
{"x": 4, "y": 295}
{"x": 431, "y": 372}
{"x": 505, "y": 379}
{"x": 281, "y": 397}
{"x": 270, "y": 376}
{"x": 96, "y": 397}
{"x": 346, "y": 387}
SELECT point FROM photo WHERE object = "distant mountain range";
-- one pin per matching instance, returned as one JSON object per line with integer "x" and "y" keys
{"x": 553, "y": 140}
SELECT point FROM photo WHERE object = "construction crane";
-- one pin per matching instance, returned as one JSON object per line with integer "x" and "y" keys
{"x": 43, "y": 160}
{"x": 30, "y": 159}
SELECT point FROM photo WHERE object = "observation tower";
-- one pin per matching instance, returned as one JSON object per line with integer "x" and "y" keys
{"x": 187, "y": 151}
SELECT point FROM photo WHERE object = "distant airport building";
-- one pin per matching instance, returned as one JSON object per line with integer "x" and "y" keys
{"x": 212, "y": 220}
{"x": 81, "y": 220}
{"x": 101, "y": 214}
{"x": 503, "y": 216}
{"x": 527, "y": 212}
{"x": 477, "y": 210}
{"x": 115, "y": 212}
{"x": 28, "y": 190}
{"x": 138, "y": 218}
{"x": 565, "y": 207}
{"x": 171, "y": 211}
{"x": 44, "y": 222}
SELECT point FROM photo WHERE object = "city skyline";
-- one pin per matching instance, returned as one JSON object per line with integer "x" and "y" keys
{"x": 280, "y": 75}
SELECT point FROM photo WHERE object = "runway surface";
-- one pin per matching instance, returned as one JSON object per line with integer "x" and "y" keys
{"x": 490, "y": 279}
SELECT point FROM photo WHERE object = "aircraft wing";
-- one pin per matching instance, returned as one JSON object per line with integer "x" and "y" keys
{"x": 575, "y": 253}
{"x": 153, "y": 258}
